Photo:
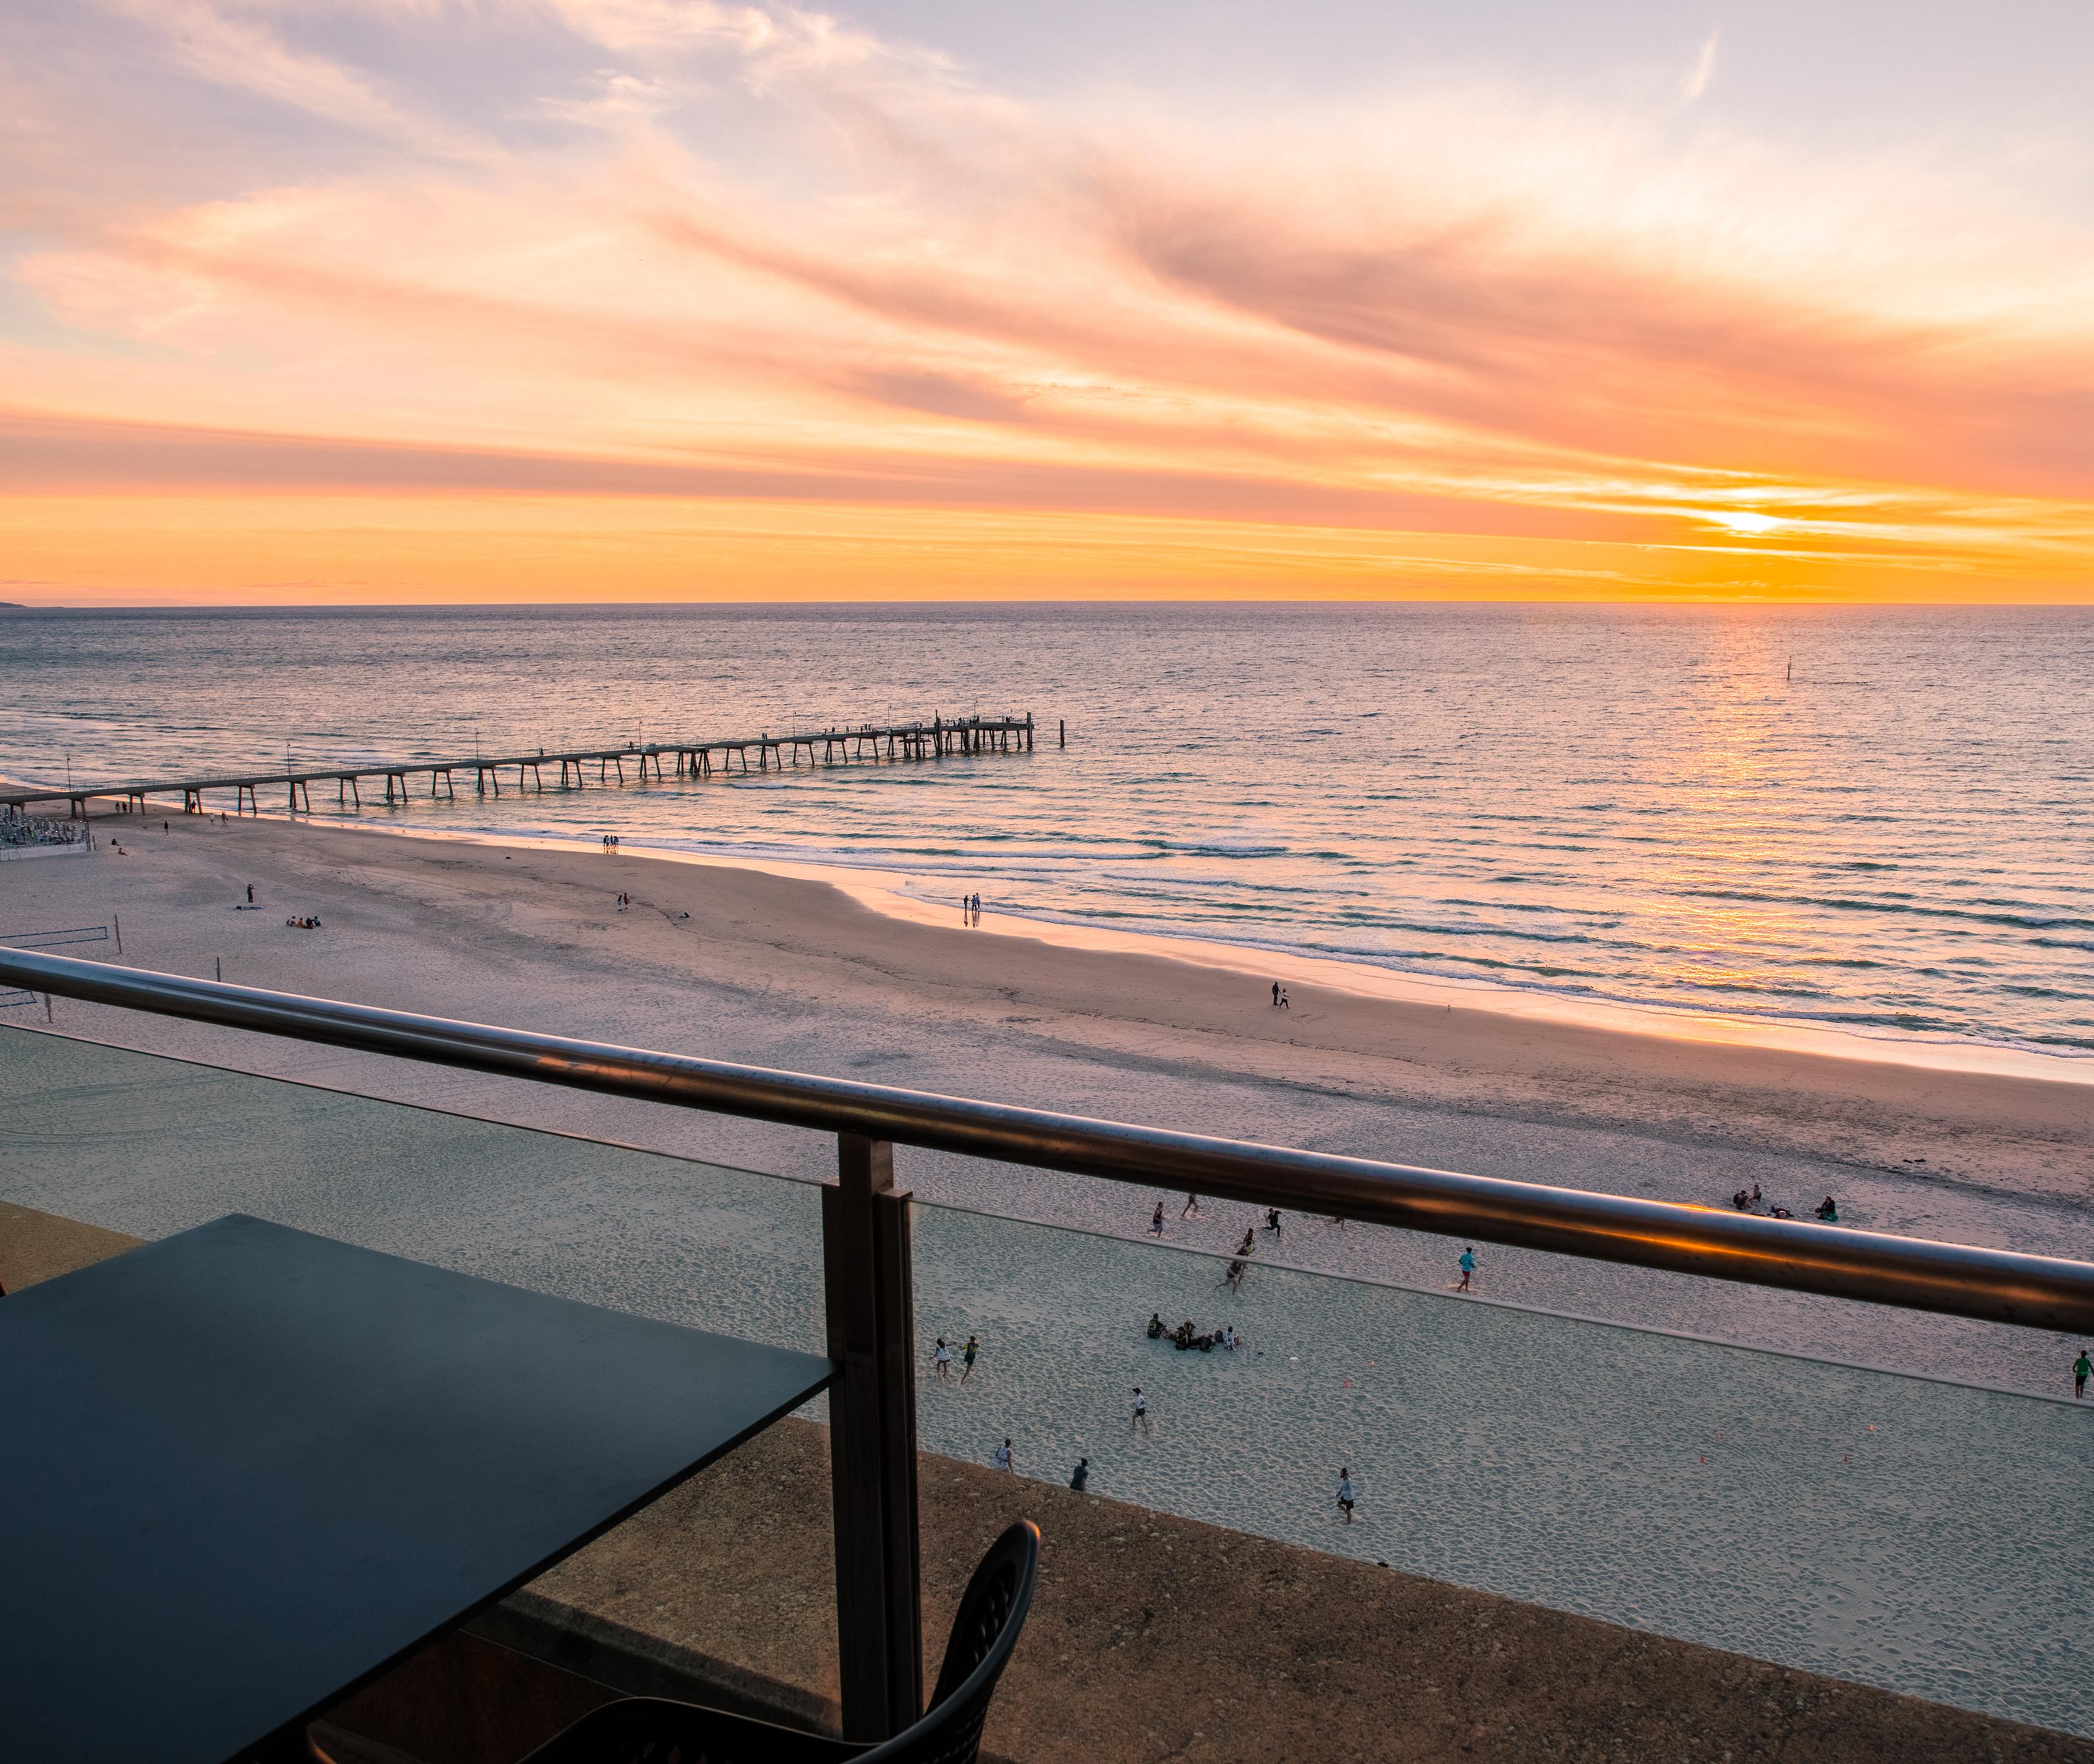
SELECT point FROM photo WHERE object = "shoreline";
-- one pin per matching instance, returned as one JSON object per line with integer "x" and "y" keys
{"x": 790, "y": 972}
{"x": 888, "y": 893}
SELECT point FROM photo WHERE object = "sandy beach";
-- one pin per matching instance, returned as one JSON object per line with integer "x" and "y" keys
{"x": 793, "y": 973}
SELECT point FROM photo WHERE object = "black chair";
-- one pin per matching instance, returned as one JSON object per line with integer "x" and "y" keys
{"x": 648, "y": 1729}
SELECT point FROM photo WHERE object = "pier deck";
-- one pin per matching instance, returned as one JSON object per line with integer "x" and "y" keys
{"x": 862, "y": 743}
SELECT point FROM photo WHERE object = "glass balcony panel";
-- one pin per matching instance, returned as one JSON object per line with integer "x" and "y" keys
{"x": 149, "y": 1145}
{"x": 1924, "y": 1536}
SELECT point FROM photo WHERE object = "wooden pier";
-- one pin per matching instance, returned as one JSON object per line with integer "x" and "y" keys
{"x": 866, "y": 744}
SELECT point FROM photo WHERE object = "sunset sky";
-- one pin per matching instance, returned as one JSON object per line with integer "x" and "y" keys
{"x": 406, "y": 300}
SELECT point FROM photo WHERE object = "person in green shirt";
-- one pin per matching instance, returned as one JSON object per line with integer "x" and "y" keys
{"x": 2081, "y": 1368}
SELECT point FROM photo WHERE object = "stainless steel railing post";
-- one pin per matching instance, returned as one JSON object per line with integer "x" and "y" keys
{"x": 872, "y": 1440}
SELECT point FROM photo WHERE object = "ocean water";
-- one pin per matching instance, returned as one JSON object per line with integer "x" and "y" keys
{"x": 1875, "y": 819}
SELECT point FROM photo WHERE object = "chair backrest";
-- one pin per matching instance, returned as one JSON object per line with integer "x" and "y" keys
{"x": 985, "y": 1631}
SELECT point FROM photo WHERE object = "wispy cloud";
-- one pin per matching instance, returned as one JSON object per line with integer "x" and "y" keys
{"x": 1697, "y": 77}
{"x": 672, "y": 249}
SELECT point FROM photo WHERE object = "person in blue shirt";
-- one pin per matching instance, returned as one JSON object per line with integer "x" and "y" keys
{"x": 1468, "y": 1266}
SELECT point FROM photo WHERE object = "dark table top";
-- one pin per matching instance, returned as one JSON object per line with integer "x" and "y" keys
{"x": 246, "y": 1468}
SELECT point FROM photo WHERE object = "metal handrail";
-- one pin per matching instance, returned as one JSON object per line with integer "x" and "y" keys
{"x": 1993, "y": 1285}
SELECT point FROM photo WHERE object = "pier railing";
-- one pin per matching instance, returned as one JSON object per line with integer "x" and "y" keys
{"x": 870, "y": 1259}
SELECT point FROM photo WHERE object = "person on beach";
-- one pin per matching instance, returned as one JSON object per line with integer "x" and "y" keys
{"x": 1285, "y": 1002}
{"x": 1275, "y": 995}
{"x": 250, "y": 894}
{"x": 1079, "y": 1479}
{"x": 1828, "y": 1210}
{"x": 1468, "y": 1267}
{"x": 1191, "y": 1209}
{"x": 1234, "y": 1279}
{"x": 1229, "y": 1336}
{"x": 1272, "y": 1220}
{"x": 2082, "y": 1369}
{"x": 973, "y": 1347}
{"x": 1155, "y": 1325}
{"x": 1141, "y": 1422}
{"x": 1003, "y": 1458}
{"x": 1345, "y": 1493}
{"x": 1156, "y": 1220}
{"x": 1244, "y": 1248}
{"x": 943, "y": 1358}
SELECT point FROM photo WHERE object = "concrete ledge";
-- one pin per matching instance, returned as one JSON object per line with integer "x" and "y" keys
{"x": 1155, "y": 1638}
{"x": 39, "y": 1246}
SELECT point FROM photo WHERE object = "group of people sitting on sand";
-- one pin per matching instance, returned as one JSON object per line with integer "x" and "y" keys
{"x": 308, "y": 924}
{"x": 1748, "y": 1200}
{"x": 1184, "y": 1339}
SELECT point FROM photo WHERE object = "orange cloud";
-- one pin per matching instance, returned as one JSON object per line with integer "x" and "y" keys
{"x": 749, "y": 298}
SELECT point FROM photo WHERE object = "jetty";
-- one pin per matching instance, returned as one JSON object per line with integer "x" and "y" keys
{"x": 860, "y": 743}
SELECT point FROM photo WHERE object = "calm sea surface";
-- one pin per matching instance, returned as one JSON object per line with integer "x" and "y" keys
{"x": 1634, "y": 805}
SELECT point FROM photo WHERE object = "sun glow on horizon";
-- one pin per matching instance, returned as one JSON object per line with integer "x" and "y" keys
{"x": 670, "y": 299}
